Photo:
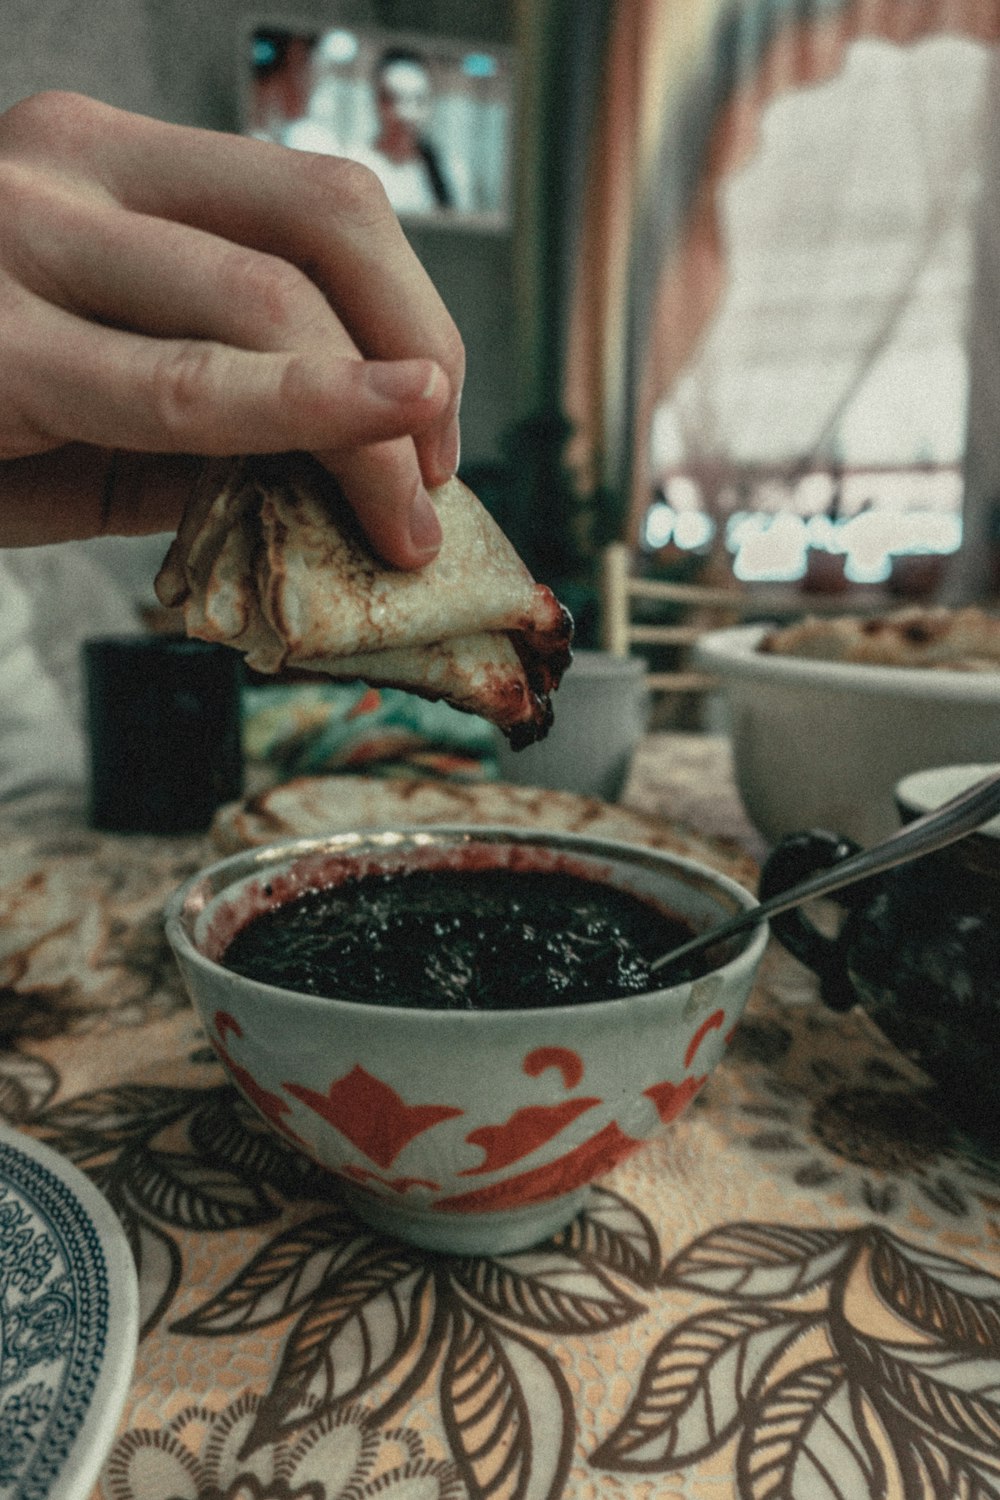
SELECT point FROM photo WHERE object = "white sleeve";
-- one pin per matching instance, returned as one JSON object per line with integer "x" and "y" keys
{"x": 41, "y": 742}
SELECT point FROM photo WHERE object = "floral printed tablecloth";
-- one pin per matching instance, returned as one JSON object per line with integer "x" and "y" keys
{"x": 793, "y": 1295}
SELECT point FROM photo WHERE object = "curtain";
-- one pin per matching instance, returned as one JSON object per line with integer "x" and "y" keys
{"x": 974, "y": 573}
{"x": 684, "y": 90}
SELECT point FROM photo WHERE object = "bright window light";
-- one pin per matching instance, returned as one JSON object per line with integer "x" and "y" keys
{"x": 771, "y": 549}
{"x": 822, "y": 237}
{"x": 338, "y": 47}
{"x": 659, "y": 527}
{"x": 868, "y": 565}
{"x": 813, "y": 493}
{"x": 743, "y": 525}
{"x": 929, "y": 531}
{"x": 693, "y": 529}
{"x": 688, "y": 529}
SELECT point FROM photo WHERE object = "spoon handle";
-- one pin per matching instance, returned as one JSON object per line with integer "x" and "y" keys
{"x": 933, "y": 830}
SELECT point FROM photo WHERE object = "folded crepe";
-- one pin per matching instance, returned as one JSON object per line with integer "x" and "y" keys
{"x": 269, "y": 558}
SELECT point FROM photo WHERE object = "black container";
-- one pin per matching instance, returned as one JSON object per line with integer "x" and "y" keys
{"x": 163, "y": 719}
{"x": 919, "y": 950}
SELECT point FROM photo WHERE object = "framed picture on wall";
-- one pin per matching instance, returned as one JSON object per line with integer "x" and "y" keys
{"x": 432, "y": 117}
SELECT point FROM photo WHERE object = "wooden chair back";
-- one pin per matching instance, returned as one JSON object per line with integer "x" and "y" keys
{"x": 694, "y": 609}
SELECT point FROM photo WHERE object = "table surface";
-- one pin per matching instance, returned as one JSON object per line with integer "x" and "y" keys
{"x": 793, "y": 1294}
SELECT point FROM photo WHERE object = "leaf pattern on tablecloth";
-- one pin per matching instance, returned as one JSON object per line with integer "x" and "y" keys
{"x": 547, "y": 1291}
{"x": 371, "y": 1319}
{"x": 120, "y": 1135}
{"x": 223, "y": 1132}
{"x": 192, "y": 1194}
{"x": 757, "y": 1260}
{"x": 377, "y": 1320}
{"x": 825, "y": 1102}
{"x": 27, "y": 1083}
{"x": 694, "y": 1388}
{"x": 356, "y": 1329}
{"x": 615, "y": 1234}
{"x": 808, "y": 1442}
{"x": 936, "y": 1474}
{"x": 765, "y": 1372}
{"x": 942, "y": 1297}
{"x": 933, "y": 1388}
{"x": 281, "y": 1279}
{"x": 819, "y": 1404}
{"x": 494, "y": 1429}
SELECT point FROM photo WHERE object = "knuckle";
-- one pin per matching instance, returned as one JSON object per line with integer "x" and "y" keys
{"x": 33, "y": 201}
{"x": 350, "y": 190}
{"x": 19, "y": 191}
{"x": 300, "y": 399}
{"x": 51, "y": 118}
{"x": 40, "y": 220}
{"x": 182, "y": 387}
{"x": 274, "y": 288}
{"x": 28, "y": 120}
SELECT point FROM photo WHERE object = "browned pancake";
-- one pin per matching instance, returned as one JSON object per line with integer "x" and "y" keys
{"x": 270, "y": 559}
{"x": 311, "y": 806}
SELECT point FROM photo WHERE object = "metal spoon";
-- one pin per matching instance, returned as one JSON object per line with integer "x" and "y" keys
{"x": 952, "y": 820}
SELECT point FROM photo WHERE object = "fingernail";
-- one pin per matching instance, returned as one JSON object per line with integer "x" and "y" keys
{"x": 425, "y": 528}
{"x": 448, "y": 449}
{"x": 405, "y": 380}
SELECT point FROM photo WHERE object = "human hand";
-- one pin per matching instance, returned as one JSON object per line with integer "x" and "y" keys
{"x": 168, "y": 293}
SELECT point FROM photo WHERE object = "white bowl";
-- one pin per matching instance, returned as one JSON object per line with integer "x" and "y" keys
{"x": 467, "y": 1131}
{"x": 601, "y": 713}
{"x": 821, "y": 744}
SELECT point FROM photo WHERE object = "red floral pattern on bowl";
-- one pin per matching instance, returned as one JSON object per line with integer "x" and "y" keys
{"x": 473, "y": 1131}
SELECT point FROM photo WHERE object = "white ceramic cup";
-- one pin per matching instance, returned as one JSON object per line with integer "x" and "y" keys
{"x": 601, "y": 713}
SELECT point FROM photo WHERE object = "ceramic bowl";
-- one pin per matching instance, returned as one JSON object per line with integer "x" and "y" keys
{"x": 472, "y": 1131}
{"x": 821, "y": 744}
{"x": 602, "y": 711}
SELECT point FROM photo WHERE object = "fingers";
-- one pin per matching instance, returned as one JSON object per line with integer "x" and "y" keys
{"x": 79, "y": 491}
{"x": 77, "y": 381}
{"x": 212, "y": 299}
{"x": 167, "y": 280}
{"x": 335, "y": 218}
{"x": 377, "y": 479}
{"x": 328, "y": 216}
{"x": 184, "y": 291}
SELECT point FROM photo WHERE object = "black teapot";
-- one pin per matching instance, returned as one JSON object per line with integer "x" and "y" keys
{"x": 918, "y": 949}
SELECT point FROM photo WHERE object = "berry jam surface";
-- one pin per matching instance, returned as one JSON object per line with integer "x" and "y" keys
{"x": 459, "y": 940}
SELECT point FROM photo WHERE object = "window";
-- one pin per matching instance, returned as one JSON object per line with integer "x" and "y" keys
{"x": 838, "y": 348}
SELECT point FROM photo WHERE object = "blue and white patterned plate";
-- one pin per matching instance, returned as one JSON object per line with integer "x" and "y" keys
{"x": 69, "y": 1314}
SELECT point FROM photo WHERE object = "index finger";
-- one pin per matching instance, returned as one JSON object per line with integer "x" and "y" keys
{"x": 327, "y": 215}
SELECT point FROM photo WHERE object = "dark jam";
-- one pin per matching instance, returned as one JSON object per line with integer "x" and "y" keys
{"x": 460, "y": 940}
